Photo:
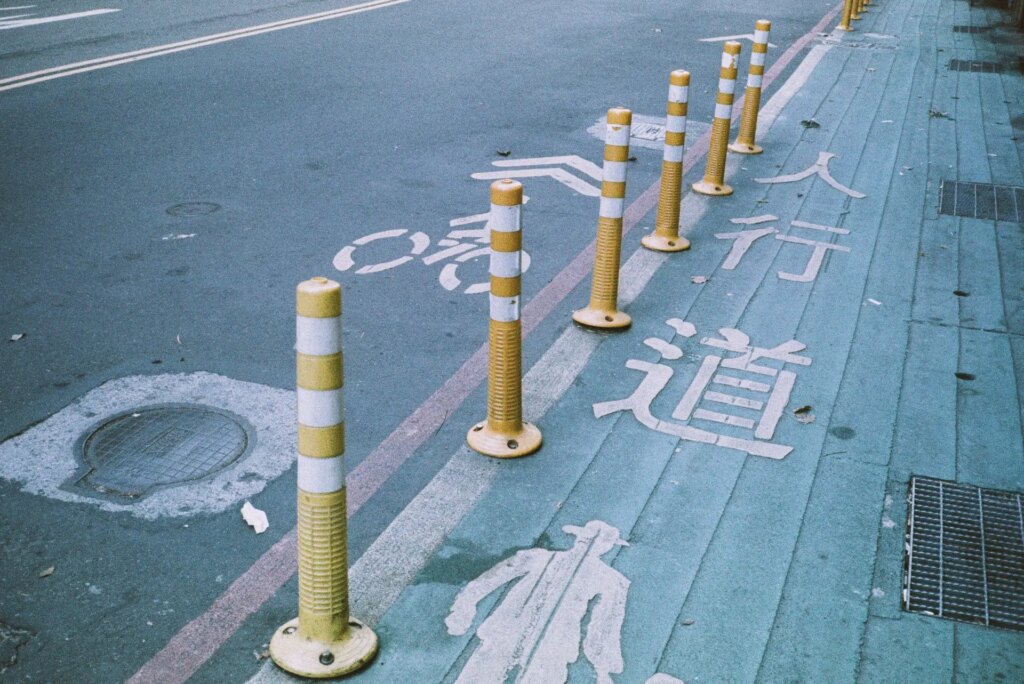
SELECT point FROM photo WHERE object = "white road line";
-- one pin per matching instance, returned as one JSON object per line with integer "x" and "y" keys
{"x": 127, "y": 57}
{"x": 14, "y": 22}
{"x": 11, "y": 9}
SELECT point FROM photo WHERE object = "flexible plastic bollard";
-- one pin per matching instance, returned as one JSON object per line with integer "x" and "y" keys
{"x": 602, "y": 311}
{"x": 745, "y": 140}
{"x": 665, "y": 237}
{"x": 504, "y": 434}
{"x": 324, "y": 640}
{"x": 714, "y": 175}
{"x": 847, "y": 16}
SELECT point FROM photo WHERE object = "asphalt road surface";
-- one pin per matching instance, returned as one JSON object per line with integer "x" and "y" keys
{"x": 158, "y": 207}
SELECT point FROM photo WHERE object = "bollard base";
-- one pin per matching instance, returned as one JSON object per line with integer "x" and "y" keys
{"x": 484, "y": 439}
{"x": 845, "y": 28}
{"x": 320, "y": 659}
{"x": 663, "y": 243}
{"x": 705, "y": 188}
{"x": 745, "y": 148}
{"x": 604, "y": 320}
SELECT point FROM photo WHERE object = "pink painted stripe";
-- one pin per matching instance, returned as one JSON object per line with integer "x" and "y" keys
{"x": 198, "y": 640}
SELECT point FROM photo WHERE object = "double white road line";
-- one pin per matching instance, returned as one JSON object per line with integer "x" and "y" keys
{"x": 22, "y": 80}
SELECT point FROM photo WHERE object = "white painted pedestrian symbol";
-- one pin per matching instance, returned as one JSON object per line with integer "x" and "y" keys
{"x": 819, "y": 168}
{"x": 748, "y": 394}
{"x": 744, "y": 239}
{"x": 460, "y": 246}
{"x": 13, "y": 21}
{"x": 538, "y": 627}
{"x": 552, "y": 168}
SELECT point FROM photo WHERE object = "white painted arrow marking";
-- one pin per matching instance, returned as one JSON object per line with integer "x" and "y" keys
{"x": 561, "y": 175}
{"x": 12, "y": 23}
{"x": 579, "y": 163}
{"x": 740, "y": 36}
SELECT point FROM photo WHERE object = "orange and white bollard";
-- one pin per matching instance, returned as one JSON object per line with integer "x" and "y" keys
{"x": 745, "y": 140}
{"x": 504, "y": 434}
{"x": 714, "y": 175}
{"x": 604, "y": 292}
{"x": 847, "y": 16}
{"x": 324, "y": 640}
{"x": 665, "y": 237}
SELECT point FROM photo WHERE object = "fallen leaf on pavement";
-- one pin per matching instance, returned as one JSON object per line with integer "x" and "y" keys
{"x": 47, "y": 572}
{"x": 699, "y": 280}
{"x": 17, "y": 336}
{"x": 503, "y": 153}
{"x": 804, "y": 414}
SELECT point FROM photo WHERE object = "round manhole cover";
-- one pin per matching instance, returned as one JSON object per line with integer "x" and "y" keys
{"x": 187, "y": 209}
{"x": 158, "y": 446}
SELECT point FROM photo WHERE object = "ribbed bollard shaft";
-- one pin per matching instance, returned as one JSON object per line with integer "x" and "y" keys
{"x": 714, "y": 174}
{"x": 746, "y": 139}
{"x": 604, "y": 290}
{"x": 504, "y": 434}
{"x": 665, "y": 237}
{"x": 324, "y": 641}
{"x": 605, "y": 284}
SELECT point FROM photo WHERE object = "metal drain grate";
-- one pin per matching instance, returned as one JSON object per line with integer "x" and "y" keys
{"x": 982, "y": 201}
{"x": 161, "y": 445}
{"x": 971, "y": 29}
{"x": 965, "y": 554}
{"x": 975, "y": 66}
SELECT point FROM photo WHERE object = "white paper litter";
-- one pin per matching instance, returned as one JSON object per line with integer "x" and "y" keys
{"x": 256, "y": 518}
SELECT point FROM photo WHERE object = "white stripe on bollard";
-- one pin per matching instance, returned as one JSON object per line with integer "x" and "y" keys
{"x": 321, "y": 475}
{"x": 320, "y": 408}
{"x": 317, "y": 336}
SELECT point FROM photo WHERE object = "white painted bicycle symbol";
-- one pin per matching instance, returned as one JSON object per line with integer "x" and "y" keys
{"x": 460, "y": 246}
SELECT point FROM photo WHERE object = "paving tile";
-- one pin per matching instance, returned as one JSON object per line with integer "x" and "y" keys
{"x": 988, "y": 428}
{"x": 817, "y": 630}
{"x": 912, "y": 648}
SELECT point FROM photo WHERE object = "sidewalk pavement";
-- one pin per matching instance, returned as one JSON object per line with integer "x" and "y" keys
{"x": 741, "y": 513}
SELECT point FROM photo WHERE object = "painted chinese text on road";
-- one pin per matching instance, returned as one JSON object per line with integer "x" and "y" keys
{"x": 739, "y": 391}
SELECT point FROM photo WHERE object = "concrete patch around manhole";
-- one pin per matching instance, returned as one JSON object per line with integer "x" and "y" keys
{"x": 43, "y": 459}
{"x": 649, "y": 131}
